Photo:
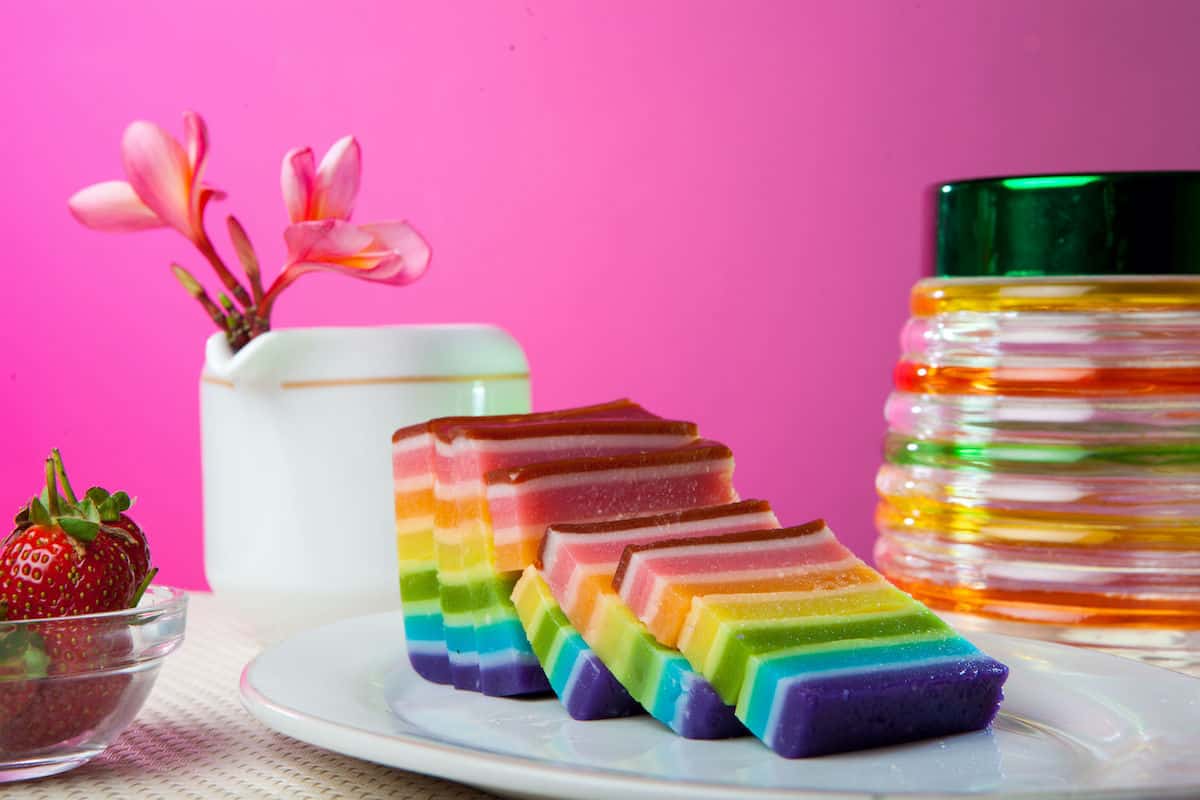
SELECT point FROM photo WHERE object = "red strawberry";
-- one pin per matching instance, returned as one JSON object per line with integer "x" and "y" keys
{"x": 68, "y": 701}
{"x": 133, "y": 543}
{"x": 63, "y": 558}
{"x": 45, "y": 572}
{"x": 62, "y": 678}
{"x": 112, "y": 508}
{"x": 36, "y": 570}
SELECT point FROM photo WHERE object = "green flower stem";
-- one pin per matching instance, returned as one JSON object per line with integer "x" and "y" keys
{"x": 285, "y": 279}
{"x": 239, "y": 328}
{"x": 246, "y": 254}
{"x": 231, "y": 283}
{"x": 193, "y": 287}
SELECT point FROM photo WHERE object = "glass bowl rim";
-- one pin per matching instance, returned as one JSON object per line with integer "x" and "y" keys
{"x": 164, "y": 599}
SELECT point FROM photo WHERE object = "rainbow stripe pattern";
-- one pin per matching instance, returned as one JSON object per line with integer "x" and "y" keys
{"x": 818, "y": 653}
{"x": 412, "y": 474}
{"x": 489, "y": 649}
{"x": 524, "y": 500}
{"x": 602, "y": 552}
{"x": 413, "y": 454}
{"x": 583, "y": 684}
{"x": 578, "y": 563}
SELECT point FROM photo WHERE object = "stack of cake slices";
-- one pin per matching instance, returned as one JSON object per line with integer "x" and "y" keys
{"x": 602, "y": 552}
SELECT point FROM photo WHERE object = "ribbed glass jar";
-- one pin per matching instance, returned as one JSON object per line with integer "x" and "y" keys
{"x": 1042, "y": 460}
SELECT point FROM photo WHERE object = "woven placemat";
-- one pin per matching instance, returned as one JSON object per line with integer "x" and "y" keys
{"x": 193, "y": 739}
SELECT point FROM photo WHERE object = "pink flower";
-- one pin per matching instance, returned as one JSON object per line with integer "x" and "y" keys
{"x": 387, "y": 252}
{"x": 324, "y": 192}
{"x": 319, "y": 201}
{"x": 164, "y": 187}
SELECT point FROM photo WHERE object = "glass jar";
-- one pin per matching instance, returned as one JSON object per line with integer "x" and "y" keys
{"x": 1042, "y": 460}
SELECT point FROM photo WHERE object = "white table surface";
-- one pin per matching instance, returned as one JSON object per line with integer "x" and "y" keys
{"x": 193, "y": 739}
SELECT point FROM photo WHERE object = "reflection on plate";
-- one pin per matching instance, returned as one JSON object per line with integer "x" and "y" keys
{"x": 1075, "y": 723}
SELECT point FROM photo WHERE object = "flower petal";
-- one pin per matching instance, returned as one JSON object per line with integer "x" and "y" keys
{"x": 297, "y": 178}
{"x": 337, "y": 180}
{"x": 195, "y": 134}
{"x": 408, "y": 254}
{"x": 203, "y": 196}
{"x": 388, "y": 252}
{"x": 112, "y": 206}
{"x": 329, "y": 240}
{"x": 395, "y": 271}
{"x": 159, "y": 172}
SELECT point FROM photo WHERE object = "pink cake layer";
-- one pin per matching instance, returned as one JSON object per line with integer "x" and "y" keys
{"x": 658, "y": 580}
{"x": 522, "y": 502}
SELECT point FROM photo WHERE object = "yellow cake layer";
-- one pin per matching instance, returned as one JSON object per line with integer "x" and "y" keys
{"x": 676, "y": 600}
{"x": 714, "y": 620}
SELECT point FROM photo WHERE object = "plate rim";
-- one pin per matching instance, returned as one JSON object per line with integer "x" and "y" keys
{"x": 529, "y": 775}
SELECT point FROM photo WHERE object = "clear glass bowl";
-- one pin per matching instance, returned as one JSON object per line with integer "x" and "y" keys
{"x": 91, "y": 674}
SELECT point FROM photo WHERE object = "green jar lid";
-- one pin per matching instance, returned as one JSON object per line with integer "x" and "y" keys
{"x": 1119, "y": 223}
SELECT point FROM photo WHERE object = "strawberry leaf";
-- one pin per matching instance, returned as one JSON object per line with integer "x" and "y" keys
{"x": 83, "y": 530}
{"x": 108, "y": 511}
{"x": 38, "y": 514}
{"x": 24, "y": 651}
{"x": 87, "y": 509}
{"x": 110, "y": 506}
{"x": 122, "y": 501}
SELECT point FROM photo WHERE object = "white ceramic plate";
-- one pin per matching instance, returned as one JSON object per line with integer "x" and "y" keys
{"x": 1075, "y": 724}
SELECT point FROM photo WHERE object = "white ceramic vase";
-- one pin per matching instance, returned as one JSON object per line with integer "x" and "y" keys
{"x": 295, "y": 434}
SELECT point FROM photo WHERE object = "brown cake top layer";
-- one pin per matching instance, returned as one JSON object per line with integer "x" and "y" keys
{"x": 702, "y": 450}
{"x": 622, "y": 407}
{"x": 669, "y": 518}
{"x": 577, "y": 427}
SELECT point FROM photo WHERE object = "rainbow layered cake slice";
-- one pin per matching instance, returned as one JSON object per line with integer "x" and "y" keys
{"x": 585, "y": 686}
{"x": 817, "y": 651}
{"x": 413, "y": 475}
{"x": 577, "y": 566}
{"x": 521, "y": 502}
{"x": 490, "y": 650}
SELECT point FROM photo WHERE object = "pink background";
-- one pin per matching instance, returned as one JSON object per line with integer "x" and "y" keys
{"x": 714, "y": 208}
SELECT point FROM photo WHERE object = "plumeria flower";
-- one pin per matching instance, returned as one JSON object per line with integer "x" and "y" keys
{"x": 319, "y": 200}
{"x": 165, "y": 185}
{"x": 166, "y": 189}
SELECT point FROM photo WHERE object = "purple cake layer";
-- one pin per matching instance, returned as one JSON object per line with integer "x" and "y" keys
{"x": 842, "y": 712}
{"x": 702, "y": 714}
{"x": 595, "y": 694}
{"x": 433, "y": 667}
{"x": 509, "y": 679}
{"x": 464, "y": 676}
